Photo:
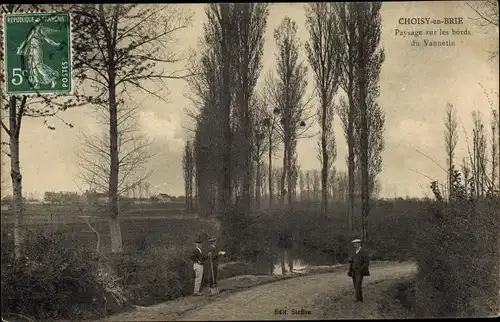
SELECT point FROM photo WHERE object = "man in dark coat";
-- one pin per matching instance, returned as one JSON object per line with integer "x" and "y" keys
{"x": 358, "y": 268}
{"x": 197, "y": 257}
{"x": 213, "y": 265}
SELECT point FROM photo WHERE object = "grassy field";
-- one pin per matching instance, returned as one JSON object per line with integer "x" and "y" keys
{"x": 142, "y": 226}
{"x": 391, "y": 224}
{"x": 66, "y": 214}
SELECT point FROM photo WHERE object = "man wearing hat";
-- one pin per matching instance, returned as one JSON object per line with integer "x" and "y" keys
{"x": 358, "y": 268}
{"x": 213, "y": 265}
{"x": 197, "y": 258}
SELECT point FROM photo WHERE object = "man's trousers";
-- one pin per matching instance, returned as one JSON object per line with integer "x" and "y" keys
{"x": 198, "y": 275}
{"x": 357, "y": 280}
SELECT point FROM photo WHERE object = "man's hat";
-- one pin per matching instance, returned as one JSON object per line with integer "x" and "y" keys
{"x": 356, "y": 241}
{"x": 198, "y": 241}
{"x": 212, "y": 239}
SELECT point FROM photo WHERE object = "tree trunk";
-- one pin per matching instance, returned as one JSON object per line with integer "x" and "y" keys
{"x": 114, "y": 224}
{"x": 197, "y": 193}
{"x": 15, "y": 172}
{"x": 225, "y": 193}
{"x": 450, "y": 175}
{"x": 283, "y": 175}
{"x": 116, "y": 236}
{"x": 186, "y": 191}
{"x": 257, "y": 184}
{"x": 324, "y": 165}
{"x": 290, "y": 173}
{"x": 245, "y": 109}
{"x": 350, "y": 161}
{"x": 270, "y": 174}
{"x": 364, "y": 128}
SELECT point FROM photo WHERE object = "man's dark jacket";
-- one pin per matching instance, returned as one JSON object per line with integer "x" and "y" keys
{"x": 359, "y": 263}
{"x": 197, "y": 256}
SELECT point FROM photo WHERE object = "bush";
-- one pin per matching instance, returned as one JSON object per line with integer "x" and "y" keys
{"x": 310, "y": 235}
{"x": 155, "y": 275}
{"x": 458, "y": 258}
{"x": 245, "y": 237}
{"x": 53, "y": 279}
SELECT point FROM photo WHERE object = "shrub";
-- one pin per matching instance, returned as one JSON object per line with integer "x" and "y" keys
{"x": 53, "y": 279}
{"x": 458, "y": 257}
{"x": 245, "y": 237}
{"x": 309, "y": 234}
{"x": 155, "y": 275}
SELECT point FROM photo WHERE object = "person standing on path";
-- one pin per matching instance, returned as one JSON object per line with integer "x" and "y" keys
{"x": 358, "y": 268}
{"x": 213, "y": 264}
{"x": 197, "y": 258}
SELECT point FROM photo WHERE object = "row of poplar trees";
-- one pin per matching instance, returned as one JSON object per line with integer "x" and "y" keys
{"x": 237, "y": 126}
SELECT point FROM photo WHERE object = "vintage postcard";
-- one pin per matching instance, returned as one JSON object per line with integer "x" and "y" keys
{"x": 250, "y": 161}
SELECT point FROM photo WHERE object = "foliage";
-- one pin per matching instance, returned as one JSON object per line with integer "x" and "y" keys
{"x": 244, "y": 236}
{"x": 319, "y": 239}
{"x": 458, "y": 255}
{"x": 154, "y": 274}
{"x": 55, "y": 279}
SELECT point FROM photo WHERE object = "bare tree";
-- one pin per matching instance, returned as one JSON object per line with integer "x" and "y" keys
{"x": 263, "y": 184}
{"x": 332, "y": 189}
{"x": 309, "y": 184}
{"x": 342, "y": 186}
{"x": 451, "y": 140}
{"x": 478, "y": 155}
{"x": 466, "y": 172}
{"x": 263, "y": 140}
{"x": 487, "y": 12}
{"x": 486, "y": 15}
{"x": 324, "y": 53}
{"x": 13, "y": 110}
{"x": 286, "y": 94}
{"x": 273, "y": 140}
{"x": 495, "y": 149}
{"x": 302, "y": 185}
{"x": 294, "y": 176}
{"x": 134, "y": 150}
{"x": 277, "y": 174}
{"x": 120, "y": 49}
{"x": 147, "y": 186}
{"x": 316, "y": 182}
{"x": 188, "y": 165}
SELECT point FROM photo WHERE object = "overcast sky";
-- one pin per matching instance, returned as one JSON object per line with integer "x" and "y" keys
{"x": 416, "y": 84}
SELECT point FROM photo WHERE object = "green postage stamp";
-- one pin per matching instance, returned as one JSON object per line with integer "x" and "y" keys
{"x": 37, "y": 53}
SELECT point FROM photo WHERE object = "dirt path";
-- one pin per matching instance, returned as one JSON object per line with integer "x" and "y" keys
{"x": 308, "y": 297}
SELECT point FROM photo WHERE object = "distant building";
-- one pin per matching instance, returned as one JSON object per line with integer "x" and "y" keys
{"x": 94, "y": 197}
{"x": 165, "y": 198}
{"x": 102, "y": 197}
